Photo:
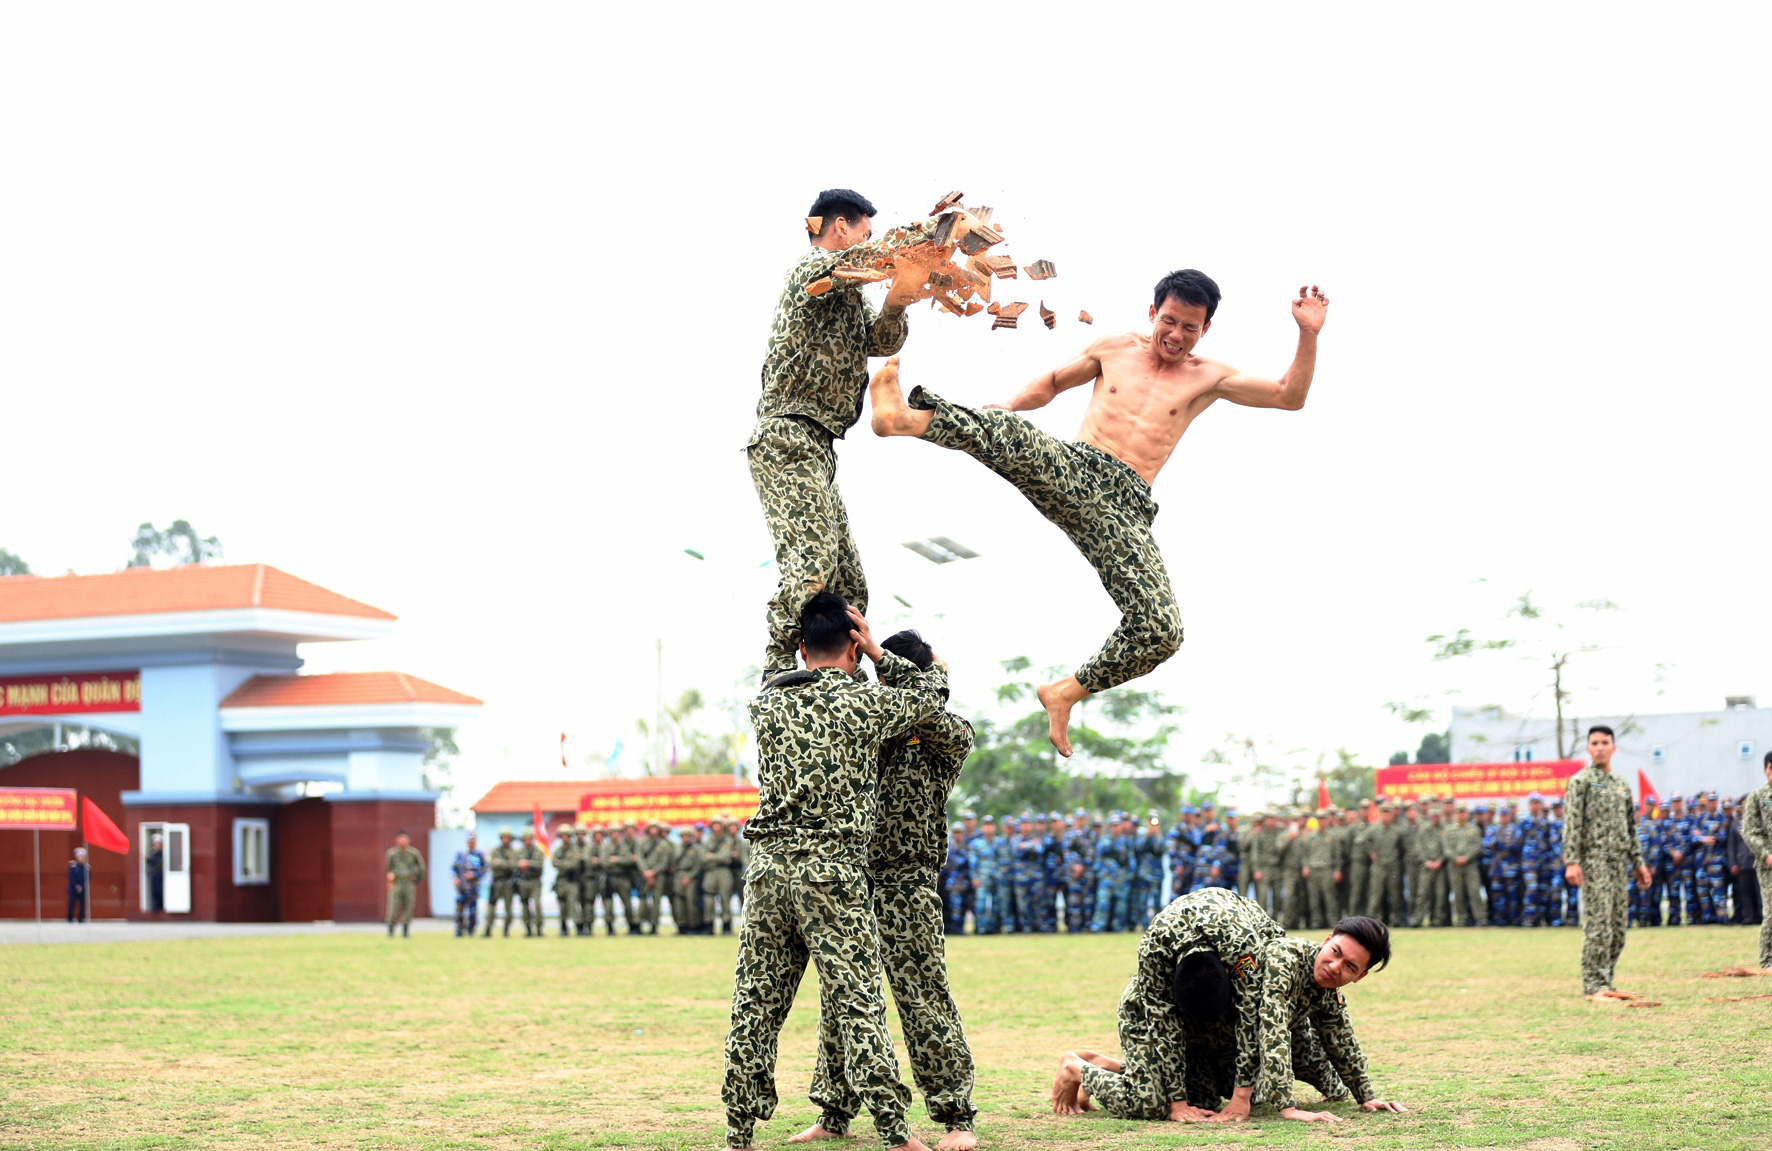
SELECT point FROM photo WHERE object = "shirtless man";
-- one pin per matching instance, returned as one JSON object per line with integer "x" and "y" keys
{"x": 1097, "y": 488}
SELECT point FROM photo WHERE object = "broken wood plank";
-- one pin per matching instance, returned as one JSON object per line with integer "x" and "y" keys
{"x": 978, "y": 238}
{"x": 1048, "y": 315}
{"x": 1010, "y": 311}
{"x": 982, "y": 215}
{"x": 865, "y": 275}
{"x": 815, "y": 224}
{"x": 1002, "y": 322}
{"x": 952, "y": 199}
{"x": 1041, "y": 270}
{"x": 1085, "y": 318}
{"x": 943, "y": 232}
{"x": 1002, "y": 267}
{"x": 994, "y": 309}
{"x": 819, "y": 287}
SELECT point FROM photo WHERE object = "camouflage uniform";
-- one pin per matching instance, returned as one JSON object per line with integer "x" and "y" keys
{"x": 904, "y": 854}
{"x": 1711, "y": 904}
{"x": 1325, "y": 1053}
{"x": 1676, "y": 843}
{"x": 1113, "y": 882}
{"x": 1153, "y": 1035}
{"x": 530, "y": 862}
{"x": 1079, "y": 879}
{"x": 468, "y": 868}
{"x": 815, "y": 374}
{"x": 407, "y": 867}
{"x": 503, "y": 860}
{"x": 687, "y": 860}
{"x": 569, "y": 865}
{"x": 604, "y": 869}
{"x": 1359, "y": 865}
{"x": 1384, "y": 880}
{"x": 1463, "y": 840}
{"x": 1645, "y": 906}
{"x": 1024, "y": 871}
{"x": 1432, "y": 908}
{"x": 1317, "y": 853}
{"x": 987, "y": 872}
{"x": 1101, "y": 504}
{"x": 955, "y": 885}
{"x": 1505, "y": 845}
{"x": 722, "y": 856}
{"x": 1291, "y": 845}
{"x": 1259, "y": 857}
{"x": 820, "y": 737}
{"x": 590, "y": 879}
{"x": 1410, "y": 837}
{"x": 649, "y": 853}
{"x": 1600, "y": 835}
{"x": 1756, "y": 829}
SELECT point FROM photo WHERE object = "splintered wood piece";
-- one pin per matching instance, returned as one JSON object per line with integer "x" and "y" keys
{"x": 982, "y": 215}
{"x": 865, "y": 275}
{"x": 1737, "y": 972}
{"x": 1010, "y": 311}
{"x": 944, "y": 229}
{"x": 819, "y": 287}
{"x": 946, "y": 202}
{"x": 942, "y": 299}
{"x": 973, "y": 308}
{"x": 1041, "y": 270}
{"x": 940, "y": 280}
{"x": 814, "y": 224}
{"x": 995, "y": 309}
{"x": 1002, "y": 322}
{"x": 1085, "y": 318}
{"x": 1002, "y": 267}
{"x": 1645, "y": 1003}
{"x": 1048, "y": 315}
{"x": 978, "y": 238}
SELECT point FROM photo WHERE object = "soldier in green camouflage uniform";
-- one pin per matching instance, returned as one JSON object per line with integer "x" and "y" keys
{"x": 529, "y": 861}
{"x": 568, "y": 874}
{"x": 814, "y": 376}
{"x": 1432, "y": 909}
{"x": 1756, "y": 829}
{"x": 503, "y": 861}
{"x": 1291, "y": 844}
{"x": 1319, "y": 874}
{"x": 1151, "y": 1081}
{"x": 716, "y": 879}
{"x": 1600, "y": 849}
{"x": 1464, "y": 846}
{"x": 1260, "y": 864}
{"x": 652, "y": 855}
{"x": 686, "y": 867}
{"x": 406, "y": 870}
{"x": 1384, "y": 880}
{"x": 820, "y": 737}
{"x": 590, "y": 878}
{"x": 904, "y": 855}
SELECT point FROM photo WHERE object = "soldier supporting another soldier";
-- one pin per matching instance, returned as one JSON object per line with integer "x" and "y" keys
{"x": 1600, "y": 844}
{"x": 466, "y": 872}
{"x": 406, "y": 870}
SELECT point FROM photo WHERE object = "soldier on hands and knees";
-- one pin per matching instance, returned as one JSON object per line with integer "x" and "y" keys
{"x": 820, "y": 738}
{"x": 1601, "y": 850}
{"x": 1148, "y": 388}
{"x": 917, "y": 772}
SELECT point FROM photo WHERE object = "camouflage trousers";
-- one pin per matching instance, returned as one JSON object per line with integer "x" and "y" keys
{"x": 1270, "y": 895}
{"x": 1320, "y": 890}
{"x": 794, "y": 913}
{"x": 1384, "y": 899}
{"x": 910, "y": 925}
{"x": 1113, "y": 902}
{"x": 1604, "y": 905}
{"x": 1467, "y": 896}
{"x": 467, "y": 910}
{"x": 1212, "y": 1059}
{"x": 716, "y": 887}
{"x": 501, "y": 890}
{"x": 1146, "y": 1084}
{"x": 1764, "y": 875}
{"x": 402, "y": 894}
{"x": 529, "y": 896}
{"x": 1431, "y": 906}
{"x": 566, "y": 895}
{"x": 1101, "y": 504}
{"x": 614, "y": 892}
{"x": 987, "y": 912}
{"x": 794, "y": 467}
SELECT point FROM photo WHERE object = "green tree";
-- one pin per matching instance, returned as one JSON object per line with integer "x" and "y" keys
{"x": 1120, "y": 740}
{"x": 178, "y": 542}
{"x": 1436, "y": 747}
{"x": 1399, "y": 758}
{"x": 12, "y": 565}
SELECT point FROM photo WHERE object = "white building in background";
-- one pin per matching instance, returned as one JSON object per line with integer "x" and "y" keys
{"x": 1680, "y": 753}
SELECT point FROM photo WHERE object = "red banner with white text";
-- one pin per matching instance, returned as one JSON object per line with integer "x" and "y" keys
{"x": 1548, "y": 778}
{"x": 38, "y": 809}
{"x": 78, "y": 694}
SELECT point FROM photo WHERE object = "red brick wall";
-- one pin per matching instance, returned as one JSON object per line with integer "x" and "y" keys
{"x": 214, "y": 895}
{"x": 101, "y": 776}
{"x": 301, "y": 861}
{"x": 362, "y": 832}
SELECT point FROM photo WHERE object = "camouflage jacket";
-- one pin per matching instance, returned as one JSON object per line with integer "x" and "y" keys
{"x": 1385, "y": 841}
{"x": 1598, "y": 823}
{"x": 1289, "y": 995}
{"x": 1466, "y": 841}
{"x": 721, "y": 850}
{"x": 468, "y": 868}
{"x": 910, "y": 819}
{"x": 1231, "y": 927}
{"x": 820, "y": 735}
{"x": 569, "y": 862}
{"x": 1430, "y": 842}
{"x": 1318, "y": 852}
{"x": 536, "y": 857}
{"x": 504, "y": 862}
{"x": 405, "y": 864}
{"x": 817, "y": 362}
{"x": 1756, "y": 824}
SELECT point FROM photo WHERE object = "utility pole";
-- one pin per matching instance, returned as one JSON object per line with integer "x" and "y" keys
{"x": 658, "y": 717}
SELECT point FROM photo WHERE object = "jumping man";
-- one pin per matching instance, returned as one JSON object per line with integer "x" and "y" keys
{"x": 1097, "y": 488}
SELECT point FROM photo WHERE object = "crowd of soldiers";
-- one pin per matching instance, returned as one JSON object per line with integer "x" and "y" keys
{"x": 1429, "y": 862}
{"x": 628, "y": 871}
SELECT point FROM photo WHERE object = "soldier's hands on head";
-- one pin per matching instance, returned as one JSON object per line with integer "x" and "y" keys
{"x": 862, "y": 635}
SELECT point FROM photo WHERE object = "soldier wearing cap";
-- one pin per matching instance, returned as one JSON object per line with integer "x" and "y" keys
{"x": 406, "y": 870}
{"x": 1710, "y": 843}
{"x": 1318, "y": 870}
{"x": 1147, "y": 882}
{"x": 1756, "y": 832}
{"x": 466, "y": 871}
{"x": 503, "y": 860}
{"x": 1258, "y": 863}
{"x": 1409, "y": 829}
{"x": 1463, "y": 844}
{"x": 1676, "y": 846}
{"x": 530, "y": 861}
{"x": 1384, "y": 843}
{"x": 1505, "y": 845}
{"x": 1359, "y": 857}
{"x": 589, "y": 879}
{"x": 1052, "y": 871}
{"x": 1079, "y": 878}
{"x": 1563, "y": 909}
{"x": 1113, "y": 880}
{"x": 688, "y": 867}
{"x": 989, "y": 879}
{"x": 1430, "y": 845}
{"x": 721, "y": 851}
{"x": 955, "y": 882}
{"x": 1534, "y": 863}
{"x": 568, "y": 873}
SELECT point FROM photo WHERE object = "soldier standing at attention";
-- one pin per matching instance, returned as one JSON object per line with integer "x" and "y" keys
{"x": 1676, "y": 842}
{"x": 1079, "y": 868}
{"x": 80, "y": 886}
{"x": 568, "y": 873}
{"x": 529, "y": 861}
{"x": 955, "y": 882}
{"x": 986, "y": 870}
{"x": 1710, "y": 834}
{"x": 466, "y": 871}
{"x": 1565, "y": 909}
{"x": 1463, "y": 844}
{"x": 1534, "y": 863}
{"x": 1317, "y": 869}
{"x": 504, "y": 871}
{"x": 1359, "y": 858}
{"x": 1504, "y": 869}
{"x": 1645, "y": 905}
{"x": 1409, "y": 830}
{"x": 722, "y": 857}
{"x": 1385, "y": 881}
{"x": 1292, "y": 865}
{"x": 1430, "y": 845}
{"x": 653, "y": 859}
{"x": 1258, "y": 869}
{"x": 406, "y": 869}
{"x": 590, "y": 879}
{"x": 820, "y": 739}
{"x": 684, "y": 870}
{"x": 1600, "y": 844}
{"x": 1756, "y": 829}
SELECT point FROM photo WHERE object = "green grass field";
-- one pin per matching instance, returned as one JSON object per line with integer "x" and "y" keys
{"x": 361, "y": 1042}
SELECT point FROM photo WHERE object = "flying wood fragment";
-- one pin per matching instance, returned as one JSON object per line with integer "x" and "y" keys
{"x": 819, "y": 287}
{"x": 866, "y": 275}
{"x": 814, "y": 223}
{"x": 978, "y": 238}
{"x": 1085, "y": 318}
{"x": 1010, "y": 311}
{"x": 1002, "y": 322}
{"x": 994, "y": 309}
{"x": 1048, "y": 315}
{"x": 982, "y": 215}
{"x": 946, "y": 202}
{"x": 1041, "y": 270}
{"x": 1002, "y": 267}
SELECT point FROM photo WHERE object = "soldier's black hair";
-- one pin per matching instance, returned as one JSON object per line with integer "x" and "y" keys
{"x": 1369, "y": 933}
{"x": 824, "y": 624}
{"x": 1600, "y": 727}
{"x": 1200, "y": 987}
{"x": 846, "y": 203}
{"x": 401, "y": 832}
{"x": 1190, "y": 286}
{"x": 912, "y": 646}
{"x": 1768, "y": 761}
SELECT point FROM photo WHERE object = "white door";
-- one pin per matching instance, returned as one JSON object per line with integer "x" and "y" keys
{"x": 178, "y": 868}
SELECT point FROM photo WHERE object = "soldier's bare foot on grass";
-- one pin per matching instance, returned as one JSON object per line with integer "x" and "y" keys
{"x": 957, "y": 1141}
{"x": 1068, "y": 1085}
{"x": 892, "y": 416}
{"x": 817, "y": 1131}
{"x": 1058, "y": 699}
{"x": 912, "y": 1144}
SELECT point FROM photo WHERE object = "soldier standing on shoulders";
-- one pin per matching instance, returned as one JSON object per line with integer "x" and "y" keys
{"x": 406, "y": 869}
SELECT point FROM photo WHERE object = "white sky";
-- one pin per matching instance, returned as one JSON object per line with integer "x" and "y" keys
{"x": 460, "y": 310}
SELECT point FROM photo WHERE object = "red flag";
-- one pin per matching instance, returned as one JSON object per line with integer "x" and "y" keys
{"x": 1646, "y": 790}
{"x": 1322, "y": 794}
{"x": 100, "y": 831}
{"x": 541, "y": 830}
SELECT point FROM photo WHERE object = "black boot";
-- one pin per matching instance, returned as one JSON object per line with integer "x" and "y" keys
{"x": 726, "y": 930}
{"x": 406, "y": 931}
{"x": 507, "y": 929}
{"x": 564, "y": 931}
{"x": 390, "y": 931}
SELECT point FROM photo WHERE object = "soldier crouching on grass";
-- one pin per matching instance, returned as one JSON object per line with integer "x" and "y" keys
{"x": 820, "y": 736}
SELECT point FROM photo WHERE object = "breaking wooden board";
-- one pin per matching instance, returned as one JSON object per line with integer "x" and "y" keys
{"x": 865, "y": 275}
{"x": 982, "y": 215}
{"x": 1048, "y": 315}
{"x": 994, "y": 309}
{"x": 814, "y": 224}
{"x": 948, "y": 201}
{"x": 1002, "y": 267}
{"x": 1002, "y": 322}
{"x": 819, "y": 287}
{"x": 978, "y": 238}
{"x": 1010, "y": 311}
{"x": 1041, "y": 270}
{"x": 1085, "y": 318}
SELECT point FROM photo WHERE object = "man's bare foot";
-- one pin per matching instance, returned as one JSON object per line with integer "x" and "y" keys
{"x": 892, "y": 416}
{"x": 817, "y": 1131}
{"x": 1058, "y": 699}
{"x": 1067, "y": 1085}
{"x": 1607, "y": 997}
{"x": 957, "y": 1141}
{"x": 911, "y": 1144}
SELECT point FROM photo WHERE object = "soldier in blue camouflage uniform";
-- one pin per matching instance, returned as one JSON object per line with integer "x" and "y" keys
{"x": 1052, "y": 871}
{"x": 1181, "y": 858}
{"x": 1026, "y": 872}
{"x": 1079, "y": 879}
{"x": 1645, "y": 903}
{"x": 956, "y": 883}
{"x": 1710, "y": 839}
{"x": 1565, "y": 905}
{"x": 1147, "y": 889}
{"x": 1535, "y": 863}
{"x": 1504, "y": 870}
{"x": 1676, "y": 847}
{"x": 468, "y": 868}
{"x": 986, "y": 876}
{"x": 1113, "y": 876}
